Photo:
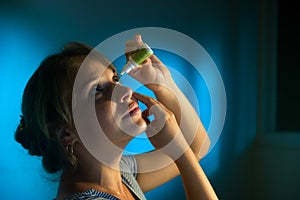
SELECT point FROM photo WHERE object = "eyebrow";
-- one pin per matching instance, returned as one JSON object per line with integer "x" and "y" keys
{"x": 113, "y": 68}
{"x": 93, "y": 80}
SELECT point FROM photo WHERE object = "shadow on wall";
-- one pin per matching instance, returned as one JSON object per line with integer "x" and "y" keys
{"x": 31, "y": 31}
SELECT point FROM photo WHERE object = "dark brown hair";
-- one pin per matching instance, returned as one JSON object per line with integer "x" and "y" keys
{"x": 47, "y": 107}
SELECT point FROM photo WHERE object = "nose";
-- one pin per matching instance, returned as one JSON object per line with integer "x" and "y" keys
{"x": 122, "y": 94}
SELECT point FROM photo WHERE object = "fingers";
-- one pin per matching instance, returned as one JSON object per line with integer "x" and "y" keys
{"x": 154, "y": 107}
{"x": 138, "y": 39}
{"x": 153, "y": 127}
{"x": 150, "y": 69}
{"x": 145, "y": 115}
{"x": 154, "y": 59}
{"x": 133, "y": 45}
{"x": 136, "y": 72}
{"x": 163, "y": 127}
{"x": 147, "y": 67}
{"x": 156, "y": 125}
{"x": 148, "y": 101}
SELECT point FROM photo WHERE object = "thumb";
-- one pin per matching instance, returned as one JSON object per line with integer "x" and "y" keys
{"x": 138, "y": 39}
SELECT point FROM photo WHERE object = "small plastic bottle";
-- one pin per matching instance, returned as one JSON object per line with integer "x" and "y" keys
{"x": 137, "y": 58}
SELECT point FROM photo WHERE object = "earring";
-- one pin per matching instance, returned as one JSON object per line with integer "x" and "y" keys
{"x": 71, "y": 159}
{"x": 70, "y": 149}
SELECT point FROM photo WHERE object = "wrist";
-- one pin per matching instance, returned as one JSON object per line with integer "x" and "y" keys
{"x": 176, "y": 147}
{"x": 187, "y": 157}
{"x": 161, "y": 88}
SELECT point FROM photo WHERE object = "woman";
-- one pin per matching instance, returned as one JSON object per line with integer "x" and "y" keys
{"x": 54, "y": 125}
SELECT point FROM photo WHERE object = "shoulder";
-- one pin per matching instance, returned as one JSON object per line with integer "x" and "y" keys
{"x": 91, "y": 195}
{"x": 128, "y": 164}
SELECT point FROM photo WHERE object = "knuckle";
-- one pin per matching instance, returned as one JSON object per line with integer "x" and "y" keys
{"x": 152, "y": 101}
{"x": 170, "y": 116}
{"x": 165, "y": 118}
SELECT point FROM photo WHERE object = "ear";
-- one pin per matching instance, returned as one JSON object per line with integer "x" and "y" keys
{"x": 68, "y": 137}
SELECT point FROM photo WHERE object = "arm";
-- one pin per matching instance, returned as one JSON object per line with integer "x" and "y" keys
{"x": 165, "y": 168}
{"x": 170, "y": 142}
{"x": 195, "y": 182}
{"x": 190, "y": 124}
{"x": 154, "y": 75}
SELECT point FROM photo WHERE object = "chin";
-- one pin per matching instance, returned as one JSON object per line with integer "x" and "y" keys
{"x": 134, "y": 128}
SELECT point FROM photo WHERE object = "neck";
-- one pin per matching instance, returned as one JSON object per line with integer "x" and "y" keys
{"x": 90, "y": 173}
{"x": 99, "y": 176}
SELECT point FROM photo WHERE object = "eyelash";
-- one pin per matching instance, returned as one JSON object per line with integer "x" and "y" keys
{"x": 116, "y": 79}
{"x": 99, "y": 88}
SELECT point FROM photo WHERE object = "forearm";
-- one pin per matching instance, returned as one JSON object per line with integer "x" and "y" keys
{"x": 195, "y": 182}
{"x": 190, "y": 124}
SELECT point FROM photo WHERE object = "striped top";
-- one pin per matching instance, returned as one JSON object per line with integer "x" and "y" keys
{"x": 128, "y": 169}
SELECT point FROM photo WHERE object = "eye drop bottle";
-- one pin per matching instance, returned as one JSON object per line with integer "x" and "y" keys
{"x": 137, "y": 58}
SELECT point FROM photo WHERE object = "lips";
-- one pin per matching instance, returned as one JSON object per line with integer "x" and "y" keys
{"x": 133, "y": 109}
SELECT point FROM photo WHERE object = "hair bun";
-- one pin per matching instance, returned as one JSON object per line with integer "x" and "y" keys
{"x": 20, "y": 134}
{"x": 23, "y": 136}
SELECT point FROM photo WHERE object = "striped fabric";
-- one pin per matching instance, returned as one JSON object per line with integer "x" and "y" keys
{"x": 128, "y": 169}
{"x": 92, "y": 195}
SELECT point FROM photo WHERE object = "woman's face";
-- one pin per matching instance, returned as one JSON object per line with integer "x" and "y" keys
{"x": 117, "y": 112}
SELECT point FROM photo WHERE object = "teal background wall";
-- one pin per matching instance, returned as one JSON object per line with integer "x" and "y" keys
{"x": 228, "y": 30}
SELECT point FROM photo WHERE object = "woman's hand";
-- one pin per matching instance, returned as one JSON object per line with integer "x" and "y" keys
{"x": 163, "y": 131}
{"x": 152, "y": 73}
{"x": 157, "y": 77}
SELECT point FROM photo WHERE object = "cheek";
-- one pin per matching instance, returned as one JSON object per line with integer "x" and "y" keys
{"x": 105, "y": 113}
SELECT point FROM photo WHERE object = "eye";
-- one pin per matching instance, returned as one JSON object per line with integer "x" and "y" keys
{"x": 116, "y": 79}
{"x": 99, "y": 88}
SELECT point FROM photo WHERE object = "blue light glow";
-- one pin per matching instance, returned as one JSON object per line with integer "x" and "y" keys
{"x": 16, "y": 69}
{"x": 22, "y": 50}
{"x": 182, "y": 71}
